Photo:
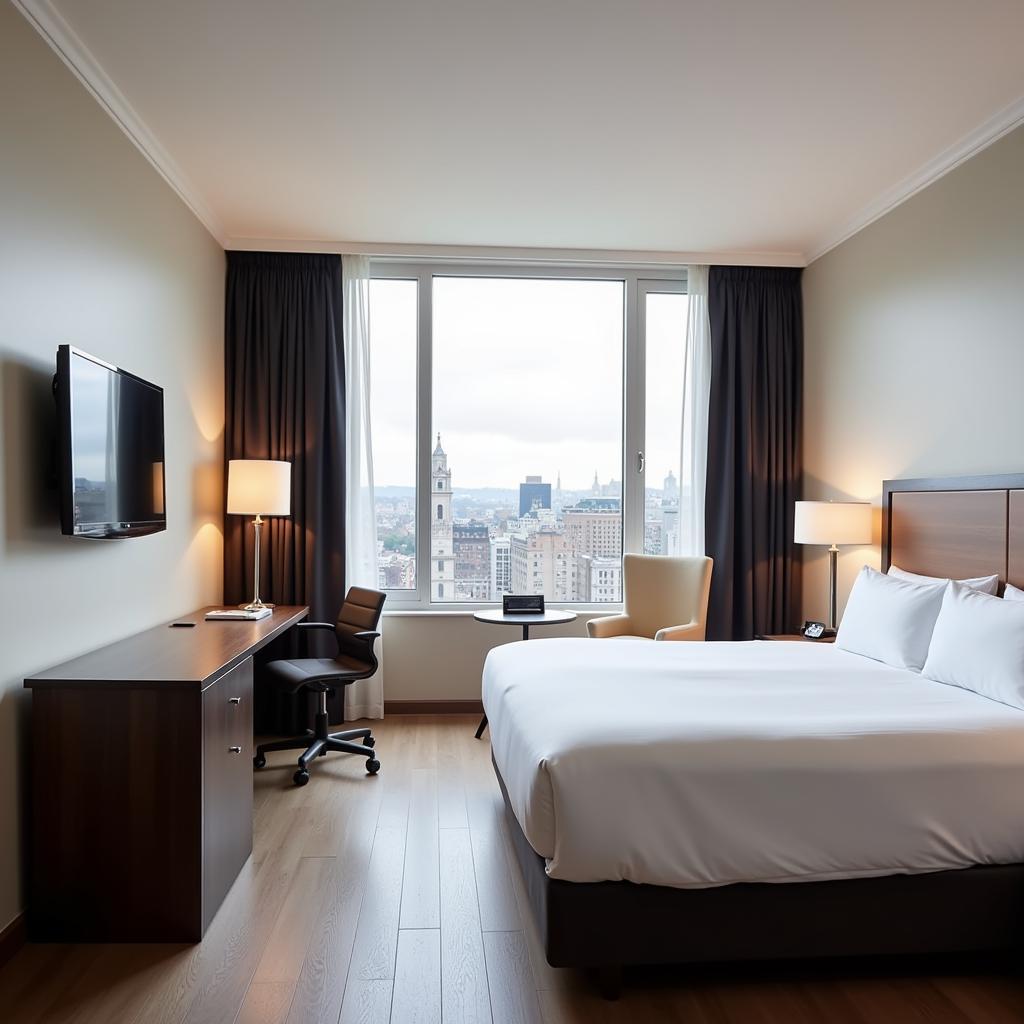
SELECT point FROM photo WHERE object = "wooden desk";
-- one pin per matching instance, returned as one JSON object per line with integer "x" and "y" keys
{"x": 141, "y": 764}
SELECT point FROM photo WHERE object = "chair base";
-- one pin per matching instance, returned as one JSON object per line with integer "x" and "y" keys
{"x": 317, "y": 742}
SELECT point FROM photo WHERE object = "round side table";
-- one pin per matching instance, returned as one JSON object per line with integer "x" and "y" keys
{"x": 495, "y": 616}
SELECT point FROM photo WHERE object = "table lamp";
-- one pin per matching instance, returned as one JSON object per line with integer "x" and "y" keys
{"x": 832, "y": 523}
{"x": 259, "y": 487}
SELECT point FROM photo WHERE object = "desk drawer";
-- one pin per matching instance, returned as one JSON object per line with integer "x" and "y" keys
{"x": 227, "y": 783}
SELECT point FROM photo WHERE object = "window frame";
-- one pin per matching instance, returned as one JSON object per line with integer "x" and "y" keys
{"x": 638, "y": 282}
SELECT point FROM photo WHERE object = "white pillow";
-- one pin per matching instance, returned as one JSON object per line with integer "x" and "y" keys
{"x": 889, "y": 619}
{"x": 978, "y": 644}
{"x": 1012, "y": 593}
{"x": 986, "y": 584}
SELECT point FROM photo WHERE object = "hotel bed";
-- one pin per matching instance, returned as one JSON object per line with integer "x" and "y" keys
{"x": 695, "y": 765}
{"x": 692, "y": 802}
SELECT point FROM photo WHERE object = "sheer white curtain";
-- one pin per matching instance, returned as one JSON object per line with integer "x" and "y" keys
{"x": 364, "y": 699}
{"x": 696, "y": 398}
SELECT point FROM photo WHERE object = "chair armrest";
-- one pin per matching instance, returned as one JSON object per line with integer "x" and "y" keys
{"x": 308, "y": 627}
{"x": 368, "y": 635}
{"x": 608, "y": 626}
{"x": 691, "y": 631}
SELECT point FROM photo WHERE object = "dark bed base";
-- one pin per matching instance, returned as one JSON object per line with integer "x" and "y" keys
{"x": 609, "y": 925}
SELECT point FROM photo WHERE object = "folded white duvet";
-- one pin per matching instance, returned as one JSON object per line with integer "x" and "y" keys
{"x": 701, "y": 764}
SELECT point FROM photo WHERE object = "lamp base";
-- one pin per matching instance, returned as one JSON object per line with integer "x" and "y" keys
{"x": 255, "y": 606}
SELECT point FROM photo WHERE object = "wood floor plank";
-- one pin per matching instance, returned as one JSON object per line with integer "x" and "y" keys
{"x": 451, "y": 789}
{"x": 464, "y": 993}
{"x": 320, "y": 990}
{"x": 266, "y": 1002}
{"x": 376, "y": 941}
{"x": 285, "y": 949}
{"x": 213, "y": 985}
{"x": 510, "y": 979}
{"x": 367, "y": 1002}
{"x": 417, "y": 991}
{"x": 566, "y": 1006}
{"x": 498, "y": 910}
{"x": 421, "y": 899}
{"x": 986, "y": 1000}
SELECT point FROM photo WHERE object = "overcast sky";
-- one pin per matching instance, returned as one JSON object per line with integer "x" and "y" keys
{"x": 527, "y": 380}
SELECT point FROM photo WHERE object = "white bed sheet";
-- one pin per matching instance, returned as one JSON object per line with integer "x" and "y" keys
{"x": 702, "y": 764}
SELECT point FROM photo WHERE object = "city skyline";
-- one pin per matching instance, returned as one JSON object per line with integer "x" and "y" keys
{"x": 537, "y": 538}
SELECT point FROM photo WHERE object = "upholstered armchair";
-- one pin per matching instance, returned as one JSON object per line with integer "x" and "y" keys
{"x": 663, "y": 599}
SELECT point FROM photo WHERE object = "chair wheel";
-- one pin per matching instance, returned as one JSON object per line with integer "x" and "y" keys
{"x": 372, "y": 766}
{"x": 369, "y": 741}
{"x": 301, "y": 777}
{"x": 259, "y": 761}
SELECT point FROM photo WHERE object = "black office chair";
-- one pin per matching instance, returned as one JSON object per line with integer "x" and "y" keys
{"x": 355, "y": 632}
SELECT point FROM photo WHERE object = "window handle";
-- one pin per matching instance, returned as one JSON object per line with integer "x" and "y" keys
{"x": 639, "y": 462}
{"x": 235, "y": 750}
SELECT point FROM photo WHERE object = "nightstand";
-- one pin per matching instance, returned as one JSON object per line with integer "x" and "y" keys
{"x": 798, "y": 637}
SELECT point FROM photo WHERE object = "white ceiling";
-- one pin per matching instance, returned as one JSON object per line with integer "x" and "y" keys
{"x": 728, "y": 127}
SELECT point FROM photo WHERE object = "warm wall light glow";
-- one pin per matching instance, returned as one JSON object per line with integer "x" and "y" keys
{"x": 259, "y": 487}
{"x": 832, "y": 522}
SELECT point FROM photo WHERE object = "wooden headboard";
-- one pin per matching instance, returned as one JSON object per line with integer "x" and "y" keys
{"x": 956, "y": 527}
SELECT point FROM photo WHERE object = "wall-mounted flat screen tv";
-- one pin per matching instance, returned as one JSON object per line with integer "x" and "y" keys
{"x": 110, "y": 441}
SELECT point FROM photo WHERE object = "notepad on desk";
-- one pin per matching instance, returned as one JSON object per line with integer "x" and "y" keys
{"x": 245, "y": 614}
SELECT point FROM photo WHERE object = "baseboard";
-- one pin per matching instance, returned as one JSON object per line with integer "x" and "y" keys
{"x": 433, "y": 707}
{"x": 12, "y": 938}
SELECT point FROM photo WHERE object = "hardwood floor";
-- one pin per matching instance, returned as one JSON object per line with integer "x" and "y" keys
{"x": 396, "y": 898}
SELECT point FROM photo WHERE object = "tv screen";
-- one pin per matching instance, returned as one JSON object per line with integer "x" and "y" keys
{"x": 111, "y": 439}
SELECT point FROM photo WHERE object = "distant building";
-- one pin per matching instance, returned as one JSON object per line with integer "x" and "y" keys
{"x": 471, "y": 546}
{"x": 396, "y": 572}
{"x": 611, "y": 489}
{"x": 598, "y": 579}
{"x": 442, "y": 554}
{"x": 543, "y": 563}
{"x": 670, "y": 531}
{"x": 593, "y": 526}
{"x": 533, "y": 494}
{"x": 670, "y": 489}
{"x": 501, "y": 567}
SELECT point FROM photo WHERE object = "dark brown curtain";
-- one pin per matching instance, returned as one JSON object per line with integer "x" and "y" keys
{"x": 754, "y": 450}
{"x": 285, "y": 399}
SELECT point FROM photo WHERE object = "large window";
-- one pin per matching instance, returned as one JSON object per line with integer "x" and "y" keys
{"x": 512, "y": 459}
{"x": 393, "y": 313}
{"x": 666, "y": 479}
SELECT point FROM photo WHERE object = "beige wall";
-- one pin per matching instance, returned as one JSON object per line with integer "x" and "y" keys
{"x": 914, "y": 357}
{"x": 97, "y": 251}
{"x": 441, "y": 656}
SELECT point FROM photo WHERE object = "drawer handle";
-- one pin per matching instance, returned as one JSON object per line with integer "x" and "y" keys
{"x": 235, "y": 750}
{"x": 234, "y": 700}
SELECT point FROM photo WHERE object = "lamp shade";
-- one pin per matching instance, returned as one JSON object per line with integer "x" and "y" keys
{"x": 832, "y": 522}
{"x": 259, "y": 487}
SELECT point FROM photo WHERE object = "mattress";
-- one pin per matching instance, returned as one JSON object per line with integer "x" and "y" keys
{"x": 704, "y": 764}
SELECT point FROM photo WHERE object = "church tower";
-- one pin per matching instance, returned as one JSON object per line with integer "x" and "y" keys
{"x": 442, "y": 554}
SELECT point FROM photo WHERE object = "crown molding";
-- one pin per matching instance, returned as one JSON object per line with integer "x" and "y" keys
{"x": 970, "y": 145}
{"x": 62, "y": 39}
{"x": 513, "y": 254}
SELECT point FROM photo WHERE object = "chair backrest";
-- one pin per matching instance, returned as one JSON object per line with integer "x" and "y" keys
{"x": 660, "y": 591}
{"x": 360, "y": 613}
